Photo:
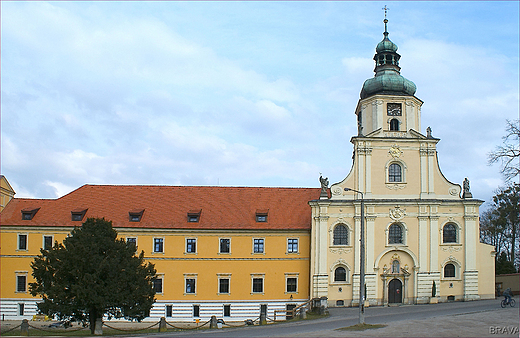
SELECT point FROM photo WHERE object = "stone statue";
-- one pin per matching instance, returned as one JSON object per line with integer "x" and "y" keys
{"x": 466, "y": 193}
{"x": 429, "y": 132}
{"x": 324, "y": 186}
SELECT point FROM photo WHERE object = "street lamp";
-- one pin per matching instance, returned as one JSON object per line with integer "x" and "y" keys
{"x": 362, "y": 260}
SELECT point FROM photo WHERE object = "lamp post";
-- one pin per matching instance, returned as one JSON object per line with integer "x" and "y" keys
{"x": 362, "y": 260}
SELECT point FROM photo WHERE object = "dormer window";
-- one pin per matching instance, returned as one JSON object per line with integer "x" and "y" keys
{"x": 194, "y": 216}
{"x": 78, "y": 214}
{"x": 28, "y": 213}
{"x": 135, "y": 215}
{"x": 261, "y": 215}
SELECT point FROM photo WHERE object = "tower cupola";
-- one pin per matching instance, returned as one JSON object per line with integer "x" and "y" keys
{"x": 387, "y": 79}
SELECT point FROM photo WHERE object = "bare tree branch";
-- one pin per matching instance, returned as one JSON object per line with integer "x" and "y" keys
{"x": 508, "y": 154}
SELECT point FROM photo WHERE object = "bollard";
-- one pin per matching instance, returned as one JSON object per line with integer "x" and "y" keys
{"x": 98, "y": 328}
{"x": 213, "y": 322}
{"x": 303, "y": 313}
{"x": 25, "y": 327}
{"x": 263, "y": 319}
{"x": 162, "y": 325}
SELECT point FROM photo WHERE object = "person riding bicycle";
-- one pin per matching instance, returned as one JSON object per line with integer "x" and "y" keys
{"x": 507, "y": 295}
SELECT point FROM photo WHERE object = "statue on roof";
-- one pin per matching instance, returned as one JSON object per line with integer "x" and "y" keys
{"x": 324, "y": 187}
{"x": 466, "y": 193}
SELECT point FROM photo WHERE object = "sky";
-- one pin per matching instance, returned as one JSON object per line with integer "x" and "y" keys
{"x": 241, "y": 93}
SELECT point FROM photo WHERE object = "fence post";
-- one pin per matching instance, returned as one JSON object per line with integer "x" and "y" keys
{"x": 25, "y": 327}
{"x": 162, "y": 325}
{"x": 213, "y": 322}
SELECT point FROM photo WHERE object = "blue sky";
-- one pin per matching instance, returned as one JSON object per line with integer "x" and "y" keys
{"x": 240, "y": 93}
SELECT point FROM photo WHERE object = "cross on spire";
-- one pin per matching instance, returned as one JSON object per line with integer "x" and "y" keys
{"x": 385, "y": 20}
{"x": 385, "y": 8}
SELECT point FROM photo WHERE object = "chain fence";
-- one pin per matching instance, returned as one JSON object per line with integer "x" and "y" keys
{"x": 198, "y": 326}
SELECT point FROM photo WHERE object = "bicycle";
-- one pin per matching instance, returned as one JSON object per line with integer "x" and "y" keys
{"x": 504, "y": 303}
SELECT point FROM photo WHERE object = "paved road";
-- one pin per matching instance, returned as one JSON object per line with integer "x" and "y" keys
{"x": 458, "y": 319}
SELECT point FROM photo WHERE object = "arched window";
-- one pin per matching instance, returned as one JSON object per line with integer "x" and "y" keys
{"x": 340, "y": 274}
{"x": 395, "y": 234}
{"x": 395, "y": 266}
{"x": 395, "y": 173}
{"x": 340, "y": 235}
{"x": 394, "y": 124}
{"x": 449, "y": 233}
{"x": 449, "y": 270}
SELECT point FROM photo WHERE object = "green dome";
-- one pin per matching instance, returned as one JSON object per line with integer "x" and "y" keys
{"x": 388, "y": 79}
{"x": 386, "y": 46}
{"x": 389, "y": 82}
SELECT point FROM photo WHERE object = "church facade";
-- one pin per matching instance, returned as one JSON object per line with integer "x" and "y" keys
{"x": 422, "y": 231}
{"x": 236, "y": 253}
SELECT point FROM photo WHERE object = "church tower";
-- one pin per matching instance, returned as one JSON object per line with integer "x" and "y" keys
{"x": 422, "y": 231}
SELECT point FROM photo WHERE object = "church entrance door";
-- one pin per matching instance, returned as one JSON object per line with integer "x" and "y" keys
{"x": 395, "y": 291}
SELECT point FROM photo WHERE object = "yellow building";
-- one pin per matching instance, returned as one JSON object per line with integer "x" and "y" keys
{"x": 6, "y": 192}
{"x": 237, "y": 252}
{"x": 223, "y": 251}
{"x": 421, "y": 229}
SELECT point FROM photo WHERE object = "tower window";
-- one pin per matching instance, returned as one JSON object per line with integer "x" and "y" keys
{"x": 449, "y": 234}
{"x": 340, "y": 235}
{"x": 395, "y": 173}
{"x": 394, "y": 125}
{"x": 340, "y": 274}
{"x": 395, "y": 234}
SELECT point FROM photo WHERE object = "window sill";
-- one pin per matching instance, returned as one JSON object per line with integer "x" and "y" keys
{"x": 339, "y": 283}
{"x": 257, "y": 253}
{"x": 451, "y": 244}
{"x": 257, "y": 293}
{"x": 225, "y": 253}
{"x": 158, "y": 253}
{"x": 292, "y": 253}
{"x": 291, "y": 292}
{"x": 191, "y": 253}
{"x": 223, "y": 294}
{"x": 396, "y": 245}
{"x": 190, "y": 294}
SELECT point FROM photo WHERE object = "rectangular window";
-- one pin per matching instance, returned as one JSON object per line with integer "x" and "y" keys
{"x": 21, "y": 283}
{"x": 158, "y": 285}
{"x": 21, "y": 309}
{"x": 258, "y": 285}
{"x": 196, "y": 310}
{"x": 132, "y": 240}
{"x": 22, "y": 242}
{"x": 191, "y": 245}
{"x": 158, "y": 244}
{"x": 47, "y": 242}
{"x": 227, "y": 310}
{"x": 258, "y": 245}
{"x": 169, "y": 310}
{"x": 190, "y": 285}
{"x": 292, "y": 245}
{"x": 225, "y": 245}
{"x": 223, "y": 285}
{"x": 292, "y": 284}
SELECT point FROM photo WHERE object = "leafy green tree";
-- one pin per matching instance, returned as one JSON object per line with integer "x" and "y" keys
{"x": 92, "y": 274}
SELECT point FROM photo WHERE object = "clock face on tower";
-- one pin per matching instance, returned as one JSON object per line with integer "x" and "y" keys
{"x": 393, "y": 109}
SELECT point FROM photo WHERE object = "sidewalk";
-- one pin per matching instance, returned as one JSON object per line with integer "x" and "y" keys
{"x": 500, "y": 323}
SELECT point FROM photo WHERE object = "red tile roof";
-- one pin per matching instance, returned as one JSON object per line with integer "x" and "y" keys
{"x": 167, "y": 207}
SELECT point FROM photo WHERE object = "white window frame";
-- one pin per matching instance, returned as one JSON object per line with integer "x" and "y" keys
{"x": 258, "y": 276}
{"x": 21, "y": 274}
{"x": 224, "y": 276}
{"x": 253, "y": 247}
{"x": 26, "y": 241}
{"x": 186, "y": 246}
{"x": 292, "y": 275}
{"x": 43, "y": 241}
{"x": 161, "y": 277}
{"x": 135, "y": 237}
{"x": 403, "y": 171}
{"x": 153, "y": 245}
{"x": 404, "y": 233}
{"x": 190, "y": 276}
{"x": 219, "y": 246}
{"x": 297, "y": 245}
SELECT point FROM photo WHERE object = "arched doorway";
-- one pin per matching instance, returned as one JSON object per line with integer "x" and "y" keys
{"x": 395, "y": 291}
